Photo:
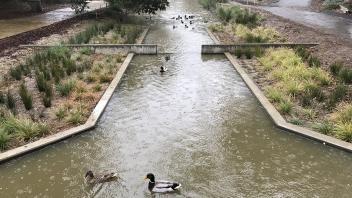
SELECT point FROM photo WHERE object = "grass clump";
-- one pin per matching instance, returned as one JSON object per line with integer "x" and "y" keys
{"x": 285, "y": 107}
{"x": 257, "y": 35}
{"x": 65, "y": 88}
{"x": 338, "y": 94}
{"x": 335, "y": 68}
{"x": 325, "y": 128}
{"x": 24, "y": 128}
{"x": 208, "y": 4}
{"x": 346, "y": 75}
{"x": 10, "y": 101}
{"x": 16, "y": 73}
{"x": 2, "y": 98}
{"x": 60, "y": 113}
{"x": 216, "y": 27}
{"x": 344, "y": 131}
{"x": 4, "y": 139}
{"x": 26, "y": 97}
{"x": 274, "y": 95}
{"x": 76, "y": 117}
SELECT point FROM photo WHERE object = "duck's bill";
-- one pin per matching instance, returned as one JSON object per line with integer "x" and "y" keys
{"x": 145, "y": 178}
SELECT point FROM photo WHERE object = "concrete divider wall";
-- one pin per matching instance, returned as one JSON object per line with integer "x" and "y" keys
{"x": 278, "y": 120}
{"x": 90, "y": 123}
{"x": 220, "y": 49}
{"x": 109, "y": 48}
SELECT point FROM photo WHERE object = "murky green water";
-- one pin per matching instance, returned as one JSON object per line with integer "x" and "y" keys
{"x": 197, "y": 124}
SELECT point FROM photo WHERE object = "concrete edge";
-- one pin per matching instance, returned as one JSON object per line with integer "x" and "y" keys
{"x": 90, "y": 123}
{"x": 279, "y": 121}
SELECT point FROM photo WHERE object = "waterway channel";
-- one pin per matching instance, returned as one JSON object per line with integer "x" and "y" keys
{"x": 197, "y": 124}
{"x": 299, "y": 11}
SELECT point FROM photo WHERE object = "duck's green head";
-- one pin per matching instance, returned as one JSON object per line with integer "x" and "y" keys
{"x": 150, "y": 176}
{"x": 89, "y": 174}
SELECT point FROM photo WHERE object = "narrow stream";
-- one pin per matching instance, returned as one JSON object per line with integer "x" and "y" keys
{"x": 299, "y": 11}
{"x": 10, "y": 27}
{"x": 197, "y": 124}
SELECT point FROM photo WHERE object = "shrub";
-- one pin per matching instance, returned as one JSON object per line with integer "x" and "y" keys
{"x": 40, "y": 80}
{"x": 225, "y": 13}
{"x": 337, "y": 95}
{"x": 69, "y": 66}
{"x": 313, "y": 61}
{"x": 314, "y": 92}
{"x": 65, "y": 88}
{"x": 2, "y": 98}
{"x": 10, "y": 101}
{"x": 251, "y": 38}
{"x": 105, "y": 78}
{"x": 243, "y": 16}
{"x": 346, "y": 75}
{"x": 26, "y": 97}
{"x": 309, "y": 113}
{"x": 302, "y": 52}
{"x": 285, "y": 107}
{"x": 238, "y": 52}
{"x": 97, "y": 88}
{"x": 86, "y": 51}
{"x": 4, "y": 139}
{"x": 326, "y": 128}
{"x": 296, "y": 121}
{"x": 24, "y": 128}
{"x": 16, "y": 73}
{"x": 216, "y": 27}
{"x": 248, "y": 53}
{"x": 47, "y": 101}
{"x": 344, "y": 131}
{"x": 274, "y": 95}
{"x": 332, "y": 4}
{"x": 60, "y": 113}
{"x": 208, "y": 4}
{"x": 335, "y": 68}
{"x": 344, "y": 113}
{"x": 76, "y": 117}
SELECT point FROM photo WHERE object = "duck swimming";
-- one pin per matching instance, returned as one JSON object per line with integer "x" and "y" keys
{"x": 167, "y": 57}
{"x": 163, "y": 69}
{"x": 96, "y": 179}
{"x": 161, "y": 186}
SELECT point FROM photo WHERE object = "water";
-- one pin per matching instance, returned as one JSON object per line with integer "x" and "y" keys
{"x": 197, "y": 124}
{"x": 299, "y": 11}
{"x": 9, "y": 27}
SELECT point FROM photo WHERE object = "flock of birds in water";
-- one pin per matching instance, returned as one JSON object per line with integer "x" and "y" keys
{"x": 154, "y": 186}
{"x": 183, "y": 20}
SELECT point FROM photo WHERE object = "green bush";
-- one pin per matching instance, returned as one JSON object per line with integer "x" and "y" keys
{"x": 285, "y": 107}
{"x": 97, "y": 88}
{"x": 16, "y": 73}
{"x": 344, "y": 131}
{"x": 313, "y": 91}
{"x": 313, "y": 61}
{"x": 208, "y": 4}
{"x": 26, "y": 97}
{"x": 248, "y": 53}
{"x": 86, "y": 51}
{"x": 335, "y": 68}
{"x": 338, "y": 94}
{"x": 10, "y": 101}
{"x": 274, "y": 95}
{"x": 4, "y": 139}
{"x": 303, "y": 53}
{"x": 60, "y": 113}
{"x": 332, "y": 4}
{"x": 251, "y": 38}
{"x": 2, "y": 98}
{"x": 76, "y": 117}
{"x": 296, "y": 121}
{"x": 65, "y": 88}
{"x": 238, "y": 52}
{"x": 346, "y": 75}
{"x": 326, "y": 128}
{"x": 24, "y": 128}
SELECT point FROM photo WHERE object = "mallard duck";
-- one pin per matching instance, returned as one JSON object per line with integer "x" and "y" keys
{"x": 182, "y": 21}
{"x": 163, "y": 69}
{"x": 167, "y": 57}
{"x": 186, "y": 26}
{"x": 161, "y": 186}
{"x": 174, "y": 26}
{"x": 101, "y": 178}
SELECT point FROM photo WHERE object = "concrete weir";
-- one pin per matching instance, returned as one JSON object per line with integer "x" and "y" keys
{"x": 90, "y": 123}
{"x": 108, "y": 48}
{"x": 220, "y": 49}
{"x": 279, "y": 121}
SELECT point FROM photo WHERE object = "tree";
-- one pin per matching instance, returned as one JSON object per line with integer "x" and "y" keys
{"x": 139, "y": 6}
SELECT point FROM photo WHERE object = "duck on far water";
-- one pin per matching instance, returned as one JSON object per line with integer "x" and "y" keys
{"x": 161, "y": 186}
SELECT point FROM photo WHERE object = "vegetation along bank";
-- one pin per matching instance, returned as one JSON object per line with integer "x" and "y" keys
{"x": 309, "y": 87}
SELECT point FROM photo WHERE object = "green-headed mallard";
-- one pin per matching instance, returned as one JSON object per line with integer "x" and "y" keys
{"x": 163, "y": 69}
{"x": 99, "y": 178}
{"x": 161, "y": 186}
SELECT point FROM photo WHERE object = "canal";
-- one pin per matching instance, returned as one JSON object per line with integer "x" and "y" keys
{"x": 197, "y": 124}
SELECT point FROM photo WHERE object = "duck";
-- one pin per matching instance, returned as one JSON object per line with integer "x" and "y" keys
{"x": 100, "y": 178}
{"x": 186, "y": 26}
{"x": 182, "y": 21}
{"x": 190, "y": 22}
{"x": 186, "y": 17}
{"x": 167, "y": 57}
{"x": 172, "y": 17}
{"x": 161, "y": 186}
{"x": 174, "y": 26}
{"x": 163, "y": 69}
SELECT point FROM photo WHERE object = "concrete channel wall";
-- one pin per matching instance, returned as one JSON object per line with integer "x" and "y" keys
{"x": 90, "y": 123}
{"x": 109, "y": 48}
{"x": 279, "y": 121}
{"x": 220, "y": 49}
